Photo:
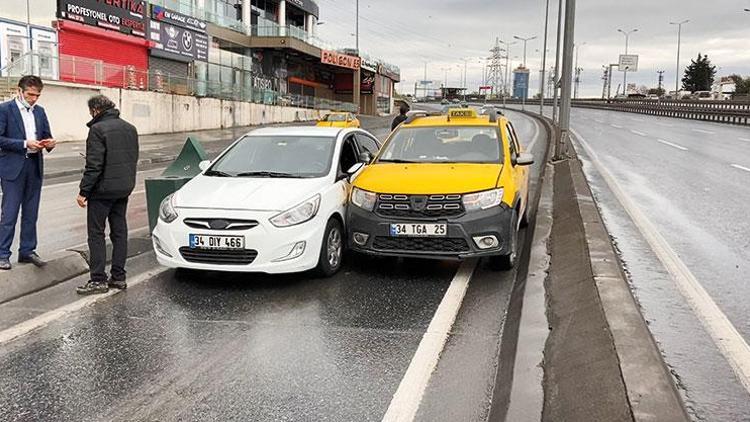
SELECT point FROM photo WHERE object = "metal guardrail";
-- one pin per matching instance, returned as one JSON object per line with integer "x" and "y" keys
{"x": 95, "y": 72}
{"x": 731, "y": 112}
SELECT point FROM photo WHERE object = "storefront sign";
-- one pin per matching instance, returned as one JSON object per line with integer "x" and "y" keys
{"x": 126, "y": 16}
{"x": 177, "y": 36}
{"x": 389, "y": 73}
{"x": 14, "y": 44}
{"x": 367, "y": 84}
{"x": 340, "y": 60}
{"x": 308, "y": 6}
{"x": 369, "y": 65}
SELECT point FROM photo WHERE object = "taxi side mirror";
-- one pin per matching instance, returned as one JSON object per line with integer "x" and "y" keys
{"x": 524, "y": 159}
{"x": 204, "y": 165}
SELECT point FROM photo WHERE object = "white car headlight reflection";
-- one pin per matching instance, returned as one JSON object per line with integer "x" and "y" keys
{"x": 167, "y": 212}
{"x": 483, "y": 200}
{"x": 297, "y": 214}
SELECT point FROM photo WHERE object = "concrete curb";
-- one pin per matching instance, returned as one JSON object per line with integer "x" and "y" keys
{"x": 24, "y": 279}
{"x": 141, "y": 164}
{"x": 651, "y": 391}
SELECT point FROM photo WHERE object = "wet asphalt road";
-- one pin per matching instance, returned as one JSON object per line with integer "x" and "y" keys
{"x": 211, "y": 346}
{"x": 683, "y": 176}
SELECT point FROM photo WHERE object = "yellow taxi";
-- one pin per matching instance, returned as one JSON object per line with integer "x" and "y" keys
{"x": 339, "y": 119}
{"x": 443, "y": 186}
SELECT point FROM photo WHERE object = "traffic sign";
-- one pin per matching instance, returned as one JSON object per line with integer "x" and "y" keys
{"x": 628, "y": 62}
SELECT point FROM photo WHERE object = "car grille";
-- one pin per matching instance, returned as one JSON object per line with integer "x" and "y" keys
{"x": 219, "y": 223}
{"x": 218, "y": 256}
{"x": 421, "y": 244}
{"x": 419, "y": 206}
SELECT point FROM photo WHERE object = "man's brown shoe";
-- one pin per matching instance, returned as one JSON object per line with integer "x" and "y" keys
{"x": 32, "y": 259}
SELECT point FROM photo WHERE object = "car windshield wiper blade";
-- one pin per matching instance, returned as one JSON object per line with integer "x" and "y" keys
{"x": 398, "y": 160}
{"x": 217, "y": 173}
{"x": 267, "y": 174}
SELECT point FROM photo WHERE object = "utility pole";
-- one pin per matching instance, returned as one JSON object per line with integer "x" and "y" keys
{"x": 605, "y": 79}
{"x": 625, "y": 73}
{"x": 357, "y": 28}
{"x": 544, "y": 60}
{"x": 557, "y": 61}
{"x": 526, "y": 87}
{"x": 577, "y": 70}
{"x": 679, "y": 41}
{"x": 570, "y": 18}
{"x": 507, "y": 67}
{"x": 661, "y": 82}
{"x": 495, "y": 70}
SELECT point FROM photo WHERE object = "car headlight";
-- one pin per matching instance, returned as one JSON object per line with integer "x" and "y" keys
{"x": 167, "y": 212}
{"x": 363, "y": 199}
{"x": 483, "y": 200}
{"x": 297, "y": 214}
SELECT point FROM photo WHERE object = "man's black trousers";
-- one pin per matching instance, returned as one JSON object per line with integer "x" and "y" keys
{"x": 115, "y": 212}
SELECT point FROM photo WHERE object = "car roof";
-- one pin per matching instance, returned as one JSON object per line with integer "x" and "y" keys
{"x": 331, "y": 132}
{"x": 446, "y": 120}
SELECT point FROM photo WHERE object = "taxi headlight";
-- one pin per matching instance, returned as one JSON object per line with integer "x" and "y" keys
{"x": 298, "y": 214}
{"x": 483, "y": 200}
{"x": 363, "y": 199}
{"x": 167, "y": 212}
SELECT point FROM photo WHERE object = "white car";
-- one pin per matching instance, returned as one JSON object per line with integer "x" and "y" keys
{"x": 273, "y": 202}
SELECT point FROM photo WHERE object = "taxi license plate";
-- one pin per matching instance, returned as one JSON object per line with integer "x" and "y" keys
{"x": 201, "y": 241}
{"x": 419, "y": 230}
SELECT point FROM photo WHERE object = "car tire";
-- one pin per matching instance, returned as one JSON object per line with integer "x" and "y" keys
{"x": 525, "y": 217}
{"x": 331, "y": 250}
{"x": 508, "y": 261}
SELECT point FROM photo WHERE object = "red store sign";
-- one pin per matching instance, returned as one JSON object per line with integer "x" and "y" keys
{"x": 340, "y": 60}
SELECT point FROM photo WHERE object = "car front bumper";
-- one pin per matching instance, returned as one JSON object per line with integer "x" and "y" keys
{"x": 459, "y": 243}
{"x": 272, "y": 244}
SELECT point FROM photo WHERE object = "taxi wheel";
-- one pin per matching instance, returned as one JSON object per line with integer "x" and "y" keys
{"x": 525, "y": 217}
{"x": 332, "y": 249}
{"x": 507, "y": 262}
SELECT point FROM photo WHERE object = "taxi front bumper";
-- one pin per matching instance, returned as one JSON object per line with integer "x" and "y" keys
{"x": 370, "y": 233}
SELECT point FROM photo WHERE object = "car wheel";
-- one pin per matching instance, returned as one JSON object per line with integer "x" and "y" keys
{"x": 525, "y": 217}
{"x": 332, "y": 249}
{"x": 507, "y": 262}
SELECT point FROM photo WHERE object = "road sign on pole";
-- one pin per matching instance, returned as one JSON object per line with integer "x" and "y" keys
{"x": 628, "y": 63}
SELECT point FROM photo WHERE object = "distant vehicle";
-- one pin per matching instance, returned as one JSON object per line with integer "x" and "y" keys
{"x": 702, "y": 96}
{"x": 415, "y": 100}
{"x": 444, "y": 101}
{"x": 455, "y": 101}
{"x": 339, "y": 120}
{"x": 486, "y": 108}
{"x": 464, "y": 104}
{"x": 652, "y": 97}
{"x": 636, "y": 96}
{"x": 430, "y": 98}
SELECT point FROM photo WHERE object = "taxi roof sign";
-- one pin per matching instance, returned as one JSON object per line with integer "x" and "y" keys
{"x": 462, "y": 113}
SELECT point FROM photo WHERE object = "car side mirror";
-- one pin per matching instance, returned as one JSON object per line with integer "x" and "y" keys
{"x": 204, "y": 165}
{"x": 365, "y": 157}
{"x": 354, "y": 170}
{"x": 524, "y": 159}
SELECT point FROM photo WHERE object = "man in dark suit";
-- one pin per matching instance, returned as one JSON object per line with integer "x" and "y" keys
{"x": 24, "y": 135}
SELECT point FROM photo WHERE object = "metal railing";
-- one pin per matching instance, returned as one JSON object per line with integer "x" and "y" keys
{"x": 95, "y": 72}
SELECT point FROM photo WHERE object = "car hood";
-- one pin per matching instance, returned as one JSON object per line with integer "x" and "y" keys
{"x": 428, "y": 178}
{"x": 245, "y": 193}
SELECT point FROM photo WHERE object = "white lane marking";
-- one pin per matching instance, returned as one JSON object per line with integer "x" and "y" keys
{"x": 637, "y": 132}
{"x": 744, "y": 139}
{"x": 39, "y": 321}
{"x": 737, "y": 166}
{"x": 730, "y": 342}
{"x": 616, "y": 126}
{"x": 406, "y": 400}
{"x": 601, "y": 122}
{"x": 534, "y": 137}
{"x": 664, "y": 124}
{"x": 673, "y": 145}
{"x": 708, "y": 132}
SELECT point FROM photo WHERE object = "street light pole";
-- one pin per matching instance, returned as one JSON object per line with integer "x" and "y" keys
{"x": 526, "y": 87}
{"x": 557, "y": 61}
{"x": 625, "y": 73}
{"x": 679, "y": 42}
{"x": 357, "y": 27}
{"x": 577, "y": 70}
{"x": 567, "y": 79}
{"x": 544, "y": 60}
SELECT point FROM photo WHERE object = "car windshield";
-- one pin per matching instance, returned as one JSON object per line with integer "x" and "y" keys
{"x": 443, "y": 145}
{"x": 335, "y": 118}
{"x": 276, "y": 156}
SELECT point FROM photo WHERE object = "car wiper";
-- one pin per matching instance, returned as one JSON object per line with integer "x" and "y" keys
{"x": 267, "y": 174}
{"x": 398, "y": 160}
{"x": 217, "y": 173}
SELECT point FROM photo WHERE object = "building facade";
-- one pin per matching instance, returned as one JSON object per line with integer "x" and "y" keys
{"x": 521, "y": 82}
{"x": 254, "y": 50}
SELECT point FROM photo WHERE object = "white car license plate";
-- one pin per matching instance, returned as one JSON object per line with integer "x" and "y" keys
{"x": 202, "y": 241}
{"x": 419, "y": 230}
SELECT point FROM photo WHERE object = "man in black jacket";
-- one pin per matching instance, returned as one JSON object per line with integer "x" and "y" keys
{"x": 400, "y": 118}
{"x": 108, "y": 181}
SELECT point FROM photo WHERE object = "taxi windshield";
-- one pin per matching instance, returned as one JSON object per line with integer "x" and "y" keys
{"x": 335, "y": 118}
{"x": 276, "y": 156}
{"x": 443, "y": 145}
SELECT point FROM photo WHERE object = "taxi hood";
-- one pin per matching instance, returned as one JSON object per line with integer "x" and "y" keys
{"x": 428, "y": 178}
{"x": 245, "y": 193}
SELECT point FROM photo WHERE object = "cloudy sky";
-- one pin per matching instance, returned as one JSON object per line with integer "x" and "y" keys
{"x": 444, "y": 32}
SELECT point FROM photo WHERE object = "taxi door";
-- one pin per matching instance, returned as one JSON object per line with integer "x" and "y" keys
{"x": 520, "y": 173}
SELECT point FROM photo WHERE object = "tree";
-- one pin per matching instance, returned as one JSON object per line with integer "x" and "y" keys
{"x": 699, "y": 76}
{"x": 742, "y": 85}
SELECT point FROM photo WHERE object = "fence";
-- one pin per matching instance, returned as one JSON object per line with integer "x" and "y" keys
{"x": 95, "y": 72}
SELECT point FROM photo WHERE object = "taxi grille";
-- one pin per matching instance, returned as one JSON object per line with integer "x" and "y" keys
{"x": 419, "y": 206}
{"x": 218, "y": 256}
{"x": 421, "y": 244}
